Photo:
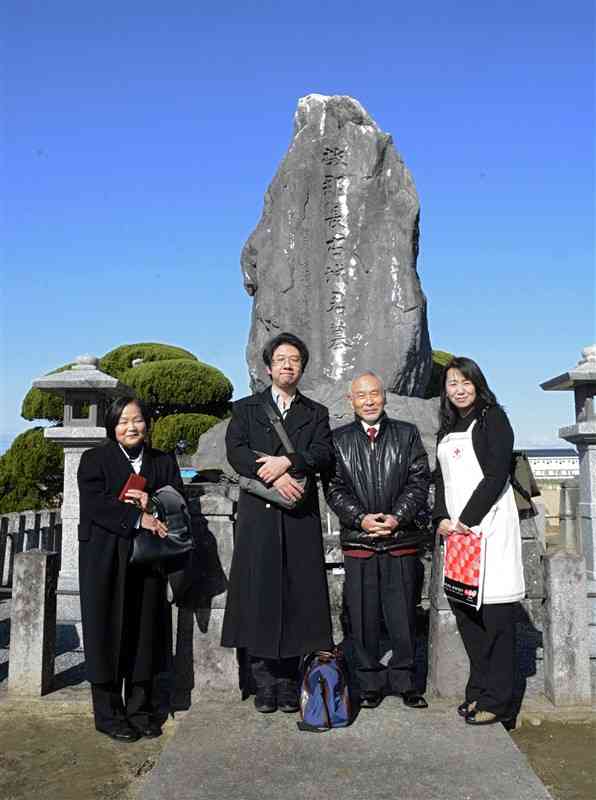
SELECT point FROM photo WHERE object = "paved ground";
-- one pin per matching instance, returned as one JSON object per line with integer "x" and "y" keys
{"x": 223, "y": 749}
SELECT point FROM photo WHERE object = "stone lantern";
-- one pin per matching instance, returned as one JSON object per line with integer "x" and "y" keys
{"x": 581, "y": 380}
{"x": 87, "y": 394}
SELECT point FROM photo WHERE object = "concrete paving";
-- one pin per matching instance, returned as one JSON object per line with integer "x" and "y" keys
{"x": 223, "y": 749}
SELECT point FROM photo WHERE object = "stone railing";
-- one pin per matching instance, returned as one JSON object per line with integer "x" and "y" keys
{"x": 21, "y": 531}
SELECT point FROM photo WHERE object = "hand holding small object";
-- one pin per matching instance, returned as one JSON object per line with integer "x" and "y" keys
{"x": 138, "y": 497}
{"x": 446, "y": 527}
{"x": 154, "y": 525}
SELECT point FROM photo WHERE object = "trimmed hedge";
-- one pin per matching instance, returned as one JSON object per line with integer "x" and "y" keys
{"x": 44, "y": 405}
{"x": 31, "y": 473}
{"x": 168, "y": 431}
{"x": 118, "y": 361}
{"x": 440, "y": 358}
{"x": 179, "y": 386}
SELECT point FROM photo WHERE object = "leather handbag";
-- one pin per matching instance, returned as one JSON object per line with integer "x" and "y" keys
{"x": 171, "y": 553}
{"x": 270, "y": 493}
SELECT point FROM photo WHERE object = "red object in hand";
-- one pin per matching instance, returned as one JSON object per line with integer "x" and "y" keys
{"x": 134, "y": 482}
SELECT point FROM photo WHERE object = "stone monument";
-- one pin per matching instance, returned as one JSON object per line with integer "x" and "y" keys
{"x": 333, "y": 258}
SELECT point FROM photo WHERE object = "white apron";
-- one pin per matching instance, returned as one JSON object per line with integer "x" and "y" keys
{"x": 503, "y": 571}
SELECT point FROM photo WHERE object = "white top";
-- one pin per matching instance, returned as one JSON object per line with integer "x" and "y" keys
{"x": 136, "y": 464}
{"x": 283, "y": 405}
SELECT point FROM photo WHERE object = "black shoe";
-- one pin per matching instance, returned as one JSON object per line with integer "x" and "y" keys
{"x": 412, "y": 699}
{"x": 265, "y": 701}
{"x": 370, "y": 699}
{"x": 149, "y": 730}
{"x": 287, "y": 696}
{"x": 121, "y": 732}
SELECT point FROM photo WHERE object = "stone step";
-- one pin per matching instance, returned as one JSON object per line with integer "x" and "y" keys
{"x": 224, "y": 750}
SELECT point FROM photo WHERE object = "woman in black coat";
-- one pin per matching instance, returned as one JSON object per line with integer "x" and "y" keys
{"x": 126, "y": 617}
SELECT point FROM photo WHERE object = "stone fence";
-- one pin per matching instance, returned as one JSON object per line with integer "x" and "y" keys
{"x": 27, "y": 530}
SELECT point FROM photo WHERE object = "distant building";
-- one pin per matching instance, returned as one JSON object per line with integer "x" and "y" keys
{"x": 553, "y": 463}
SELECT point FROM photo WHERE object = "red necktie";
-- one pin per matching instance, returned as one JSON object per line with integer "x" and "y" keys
{"x": 372, "y": 435}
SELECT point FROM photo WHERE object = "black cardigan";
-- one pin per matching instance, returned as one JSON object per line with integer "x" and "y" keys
{"x": 492, "y": 439}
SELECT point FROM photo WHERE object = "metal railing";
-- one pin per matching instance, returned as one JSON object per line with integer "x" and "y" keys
{"x": 27, "y": 530}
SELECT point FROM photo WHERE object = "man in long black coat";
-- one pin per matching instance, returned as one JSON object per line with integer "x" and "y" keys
{"x": 278, "y": 603}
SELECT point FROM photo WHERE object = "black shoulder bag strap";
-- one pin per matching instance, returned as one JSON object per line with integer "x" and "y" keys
{"x": 279, "y": 428}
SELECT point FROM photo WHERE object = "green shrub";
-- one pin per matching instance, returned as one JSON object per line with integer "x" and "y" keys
{"x": 118, "y": 361}
{"x": 180, "y": 386}
{"x": 31, "y": 473}
{"x": 44, "y": 405}
{"x": 440, "y": 358}
{"x": 168, "y": 431}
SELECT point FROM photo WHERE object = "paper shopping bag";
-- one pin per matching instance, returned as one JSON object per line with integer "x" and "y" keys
{"x": 463, "y": 568}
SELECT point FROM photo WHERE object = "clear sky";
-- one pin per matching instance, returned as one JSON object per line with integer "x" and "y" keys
{"x": 139, "y": 138}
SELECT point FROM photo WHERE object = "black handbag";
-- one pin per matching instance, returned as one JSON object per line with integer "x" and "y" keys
{"x": 171, "y": 553}
{"x": 270, "y": 493}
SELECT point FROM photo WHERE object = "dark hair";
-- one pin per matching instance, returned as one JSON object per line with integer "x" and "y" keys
{"x": 285, "y": 338}
{"x": 114, "y": 413}
{"x": 484, "y": 396}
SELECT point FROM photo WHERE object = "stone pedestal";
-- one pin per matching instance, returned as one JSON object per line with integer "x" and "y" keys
{"x": 448, "y": 665}
{"x": 74, "y": 441}
{"x": 33, "y": 623}
{"x": 213, "y": 520}
{"x": 565, "y": 633}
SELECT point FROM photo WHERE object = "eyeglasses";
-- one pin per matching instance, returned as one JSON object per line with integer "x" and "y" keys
{"x": 279, "y": 360}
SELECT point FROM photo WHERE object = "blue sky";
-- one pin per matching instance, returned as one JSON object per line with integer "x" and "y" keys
{"x": 138, "y": 139}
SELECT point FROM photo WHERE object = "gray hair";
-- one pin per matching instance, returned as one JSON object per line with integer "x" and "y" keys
{"x": 366, "y": 373}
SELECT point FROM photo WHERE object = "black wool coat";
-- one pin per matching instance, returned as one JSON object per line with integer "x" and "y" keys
{"x": 126, "y": 618}
{"x": 278, "y": 602}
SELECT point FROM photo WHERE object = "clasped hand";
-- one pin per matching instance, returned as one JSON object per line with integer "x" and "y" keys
{"x": 379, "y": 524}
{"x": 274, "y": 470}
{"x": 272, "y": 467}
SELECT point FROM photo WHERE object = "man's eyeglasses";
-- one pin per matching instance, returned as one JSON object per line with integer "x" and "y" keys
{"x": 280, "y": 360}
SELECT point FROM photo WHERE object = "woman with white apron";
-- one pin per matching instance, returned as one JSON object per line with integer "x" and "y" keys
{"x": 473, "y": 496}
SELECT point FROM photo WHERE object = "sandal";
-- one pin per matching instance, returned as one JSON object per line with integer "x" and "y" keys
{"x": 479, "y": 717}
{"x": 466, "y": 708}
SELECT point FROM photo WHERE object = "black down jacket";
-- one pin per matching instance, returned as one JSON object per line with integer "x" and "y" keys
{"x": 391, "y": 478}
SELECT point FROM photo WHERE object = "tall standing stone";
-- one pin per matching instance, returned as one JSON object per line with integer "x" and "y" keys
{"x": 333, "y": 258}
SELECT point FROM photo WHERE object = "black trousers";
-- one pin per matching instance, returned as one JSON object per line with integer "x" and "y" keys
{"x": 273, "y": 675}
{"x": 132, "y": 694}
{"x": 489, "y": 638}
{"x": 376, "y": 589}
{"x": 109, "y": 707}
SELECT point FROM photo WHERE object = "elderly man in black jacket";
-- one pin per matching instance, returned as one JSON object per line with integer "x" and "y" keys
{"x": 379, "y": 484}
{"x": 278, "y": 604}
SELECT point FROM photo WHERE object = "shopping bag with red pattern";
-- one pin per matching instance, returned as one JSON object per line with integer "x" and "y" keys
{"x": 463, "y": 569}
